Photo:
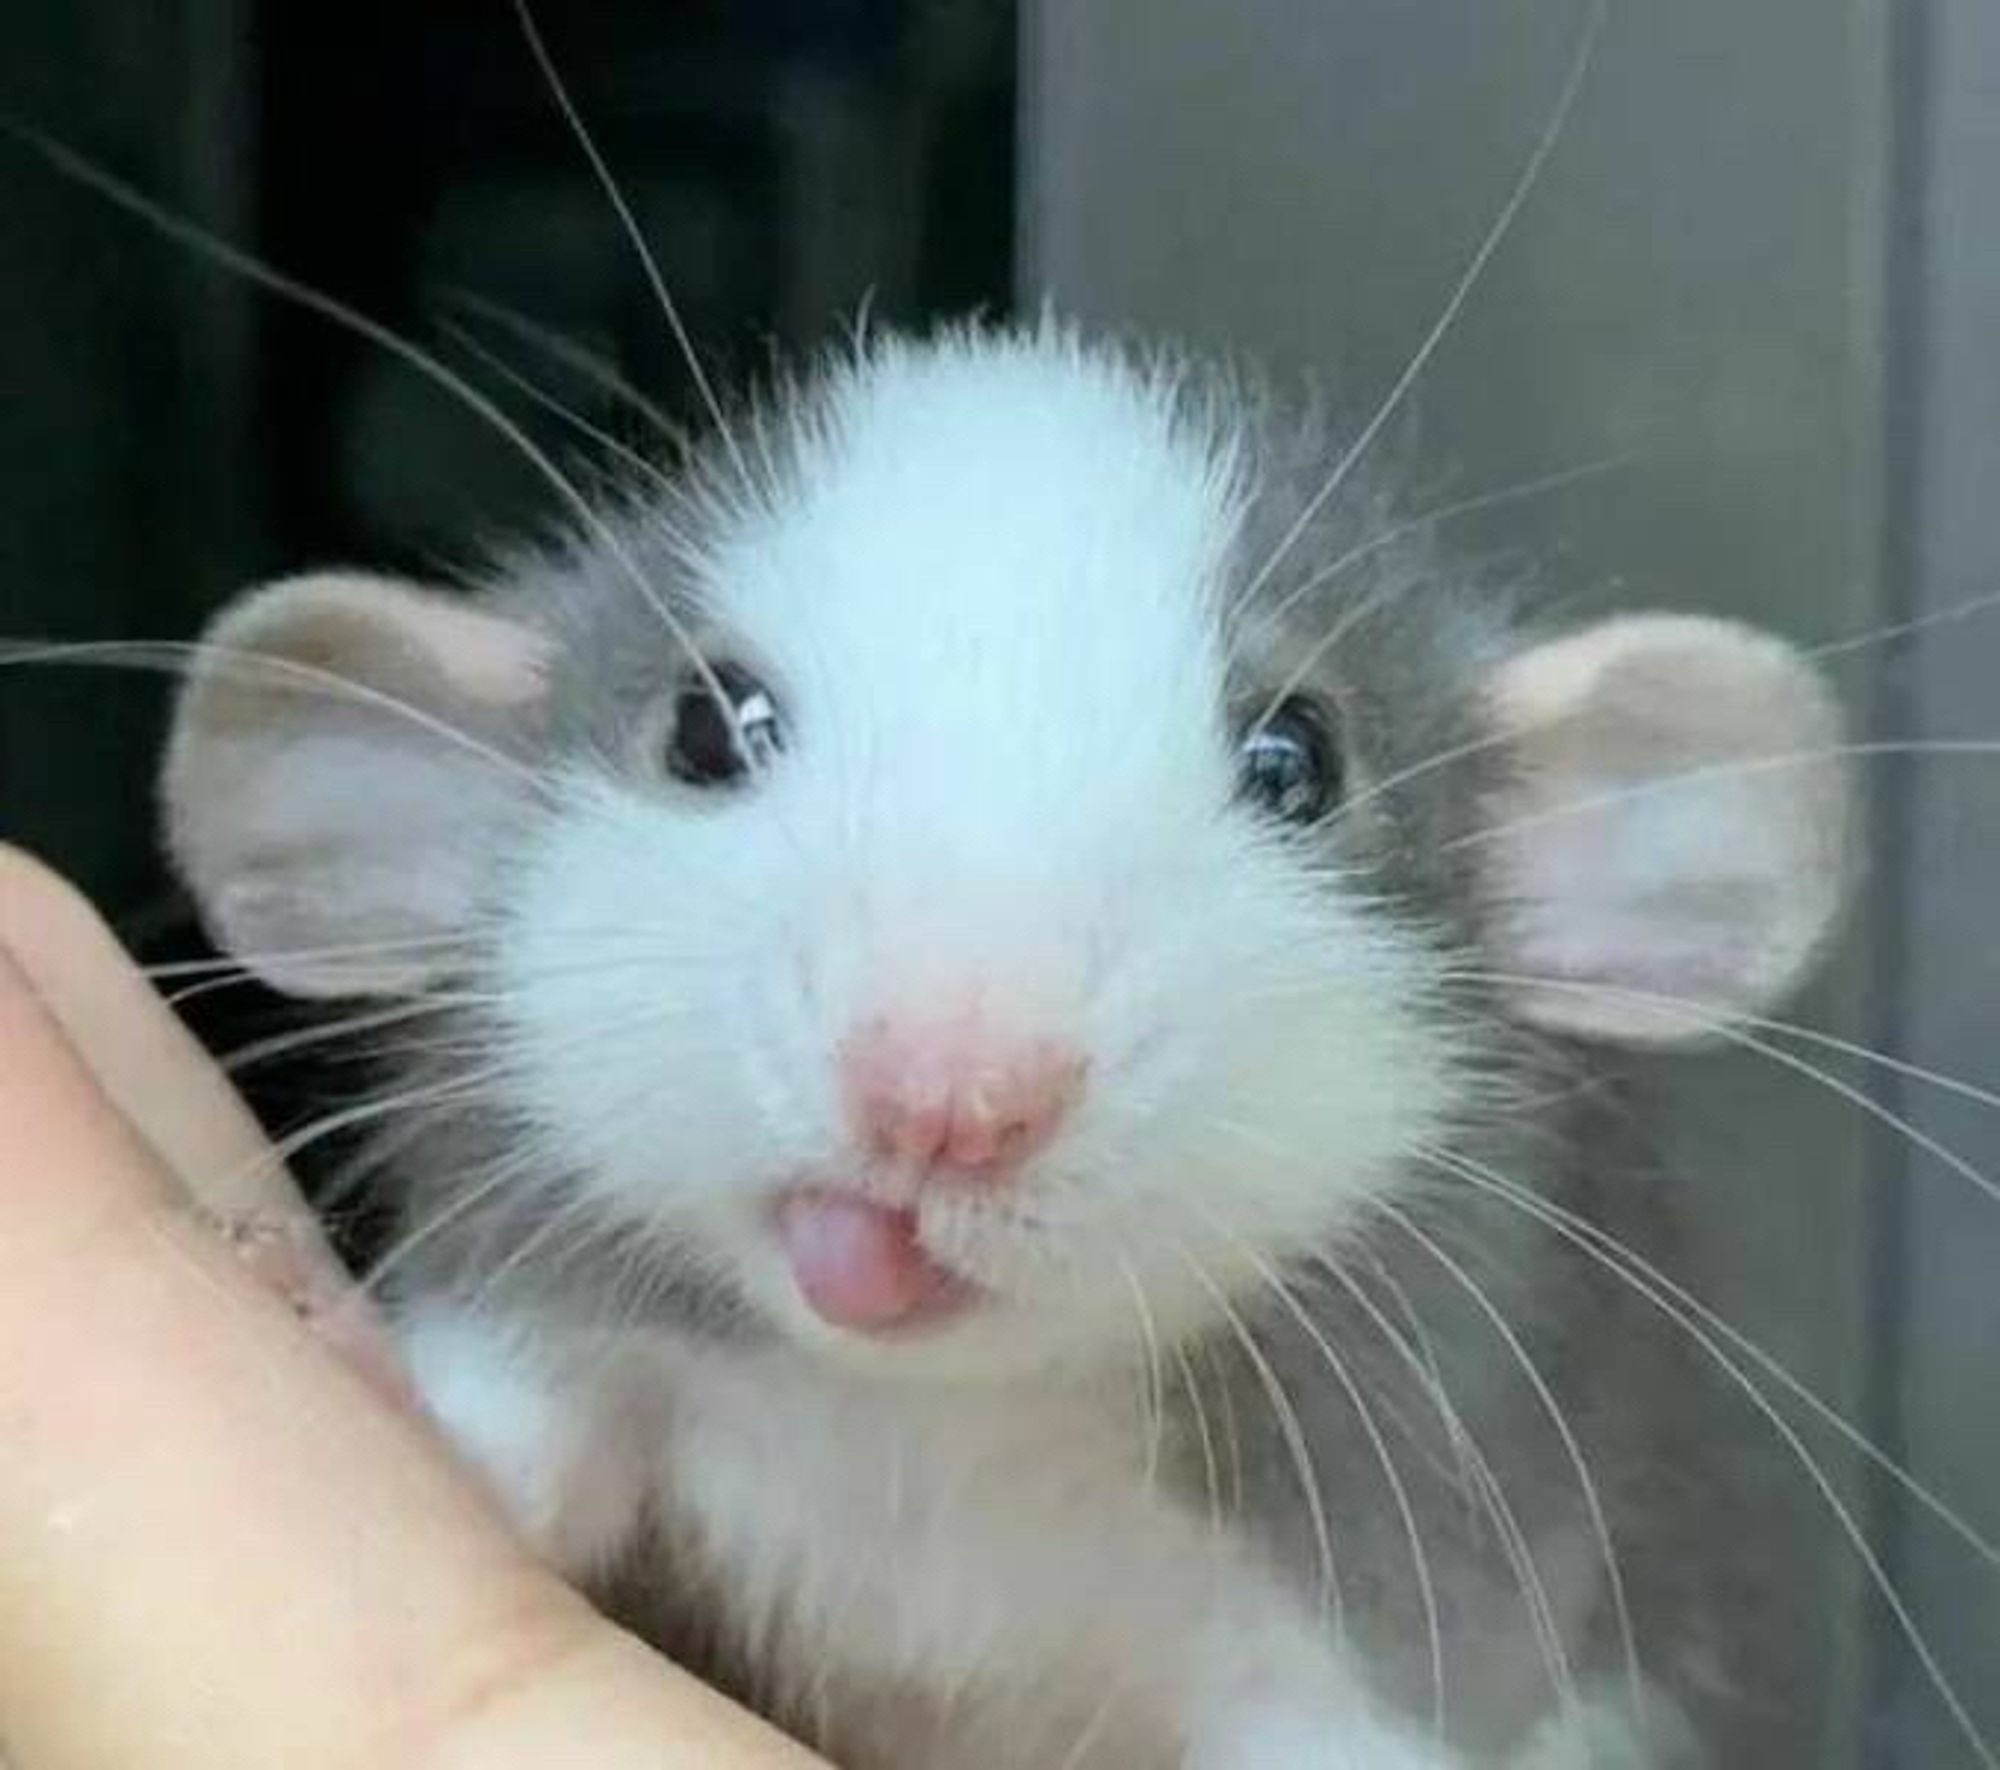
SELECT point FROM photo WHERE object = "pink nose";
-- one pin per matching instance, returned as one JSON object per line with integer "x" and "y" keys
{"x": 956, "y": 1100}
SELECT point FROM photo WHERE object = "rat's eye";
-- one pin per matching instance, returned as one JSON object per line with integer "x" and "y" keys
{"x": 1289, "y": 765}
{"x": 702, "y": 749}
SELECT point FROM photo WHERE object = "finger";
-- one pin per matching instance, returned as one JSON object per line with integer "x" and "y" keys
{"x": 163, "y": 1083}
{"x": 217, "y": 1547}
{"x": 142, "y": 1056}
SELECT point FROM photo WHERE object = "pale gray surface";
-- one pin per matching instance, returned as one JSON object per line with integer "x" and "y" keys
{"x": 1721, "y": 269}
{"x": 1950, "y": 1264}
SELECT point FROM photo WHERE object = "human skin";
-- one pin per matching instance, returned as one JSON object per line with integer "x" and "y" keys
{"x": 227, "y": 1536}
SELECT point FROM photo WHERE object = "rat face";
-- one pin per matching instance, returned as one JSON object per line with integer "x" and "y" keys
{"x": 1006, "y": 980}
{"x": 916, "y": 887}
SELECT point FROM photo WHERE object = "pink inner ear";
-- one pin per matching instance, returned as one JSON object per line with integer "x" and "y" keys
{"x": 306, "y": 817}
{"x": 1675, "y": 827}
{"x": 495, "y": 661}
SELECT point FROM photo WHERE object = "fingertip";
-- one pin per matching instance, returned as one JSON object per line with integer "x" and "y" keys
{"x": 143, "y": 1058}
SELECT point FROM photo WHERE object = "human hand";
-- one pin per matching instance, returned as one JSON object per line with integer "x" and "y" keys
{"x": 227, "y": 1536}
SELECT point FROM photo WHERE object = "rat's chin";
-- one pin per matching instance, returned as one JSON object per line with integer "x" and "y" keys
{"x": 859, "y": 1265}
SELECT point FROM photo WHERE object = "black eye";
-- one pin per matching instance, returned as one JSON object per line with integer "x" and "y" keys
{"x": 1290, "y": 767}
{"x": 702, "y": 749}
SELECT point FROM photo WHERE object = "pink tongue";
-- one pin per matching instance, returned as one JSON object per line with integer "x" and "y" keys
{"x": 859, "y": 1264}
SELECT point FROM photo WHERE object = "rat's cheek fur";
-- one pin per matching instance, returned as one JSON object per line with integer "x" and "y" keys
{"x": 1264, "y": 1059}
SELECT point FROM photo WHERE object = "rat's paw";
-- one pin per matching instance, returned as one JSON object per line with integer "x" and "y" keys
{"x": 555, "y": 1454}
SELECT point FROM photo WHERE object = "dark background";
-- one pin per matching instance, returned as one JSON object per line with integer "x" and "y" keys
{"x": 168, "y": 434}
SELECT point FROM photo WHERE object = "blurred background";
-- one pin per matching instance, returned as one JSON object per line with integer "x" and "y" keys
{"x": 1759, "y": 283}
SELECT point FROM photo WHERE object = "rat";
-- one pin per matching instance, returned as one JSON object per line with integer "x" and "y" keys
{"x": 1009, "y": 1008}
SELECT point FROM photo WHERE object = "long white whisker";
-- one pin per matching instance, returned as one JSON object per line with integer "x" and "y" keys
{"x": 1484, "y": 1178}
{"x": 1330, "y": 1599}
{"x": 1092, "y": 1728}
{"x": 630, "y": 223}
{"x": 1829, "y": 1416}
{"x": 460, "y": 1208}
{"x": 285, "y": 1044}
{"x": 493, "y": 361}
{"x": 236, "y": 963}
{"x": 282, "y": 1150}
{"x": 1484, "y": 1479}
{"x": 1399, "y": 1491}
{"x": 1701, "y": 1018}
{"x": 1903, "y": 629}
{"x": 129, "y": 198}
{"x": 1593, "y": 1501}
{"x": 1231, "y": 1437}
{"x": 571, "y": 1214}
{"x": 1461, "y": 752}
{"x": 1934, "y": 1147}
{"x": 1211, "y": 1469}
{"x": 1154, "y": 1389}
{"x": 573, "y": 356}
{"x": 1752, "y": 765}
{"x": 173, "y": 657}
{"x": 1430, "y": 519}
{"x": 1503, "y": 224}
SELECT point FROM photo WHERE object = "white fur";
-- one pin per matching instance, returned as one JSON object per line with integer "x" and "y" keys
{"x": 1606, "y": 1732}
{"x": 570, "y": 1471}
{"x": 987, "y": 609}
{"x": 1012, "y": 1557}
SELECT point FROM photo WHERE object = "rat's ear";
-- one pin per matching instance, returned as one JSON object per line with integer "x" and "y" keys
{"x": 1674, "y": 824}
{"x": 344, "y": 756}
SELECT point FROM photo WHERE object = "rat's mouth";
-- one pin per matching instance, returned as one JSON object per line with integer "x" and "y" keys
{"x": 861, "y": 1264}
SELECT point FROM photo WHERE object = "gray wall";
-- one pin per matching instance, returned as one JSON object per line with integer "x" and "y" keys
{"x": 1947, "y": 1249}
{"x": 1756, "y": 263}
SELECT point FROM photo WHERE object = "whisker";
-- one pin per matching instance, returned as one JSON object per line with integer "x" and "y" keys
{"x": 1462, "y": 752}
{"x": 126, "y": 196}
{"x": 1211, "y": 1470}
{"x": 1231, "y": 1438}
{"x": 1503, "y": 224}
{"x": 1412, "y": 1331}
{"x": 1701, "y": 1017}
{"x": 1904, "y": 629}
{"x": 1587, "y": 1488}
{"x": 447, "y": 1092}
{"x": 504, "y": 1176}
{"x": 1378, "y": 1445}
{"x": 277, "y": 1045}
{"x": 571, "y": 1213}
{"x": 1154, "y": 1407}
{"x": 173, "y": 657}
{"x": 1559, "y": 1222}
{"x": 1329, "y": 1599}
{"x": 1092, "y": 1728}
{"x": 1946, "y": 747}
{"x": 1429, "y": 519}
{"x": 1831, "y": 1417}
{"x": 238, "y": 962}
{"x": 1934, "y": 1147}
{"x": 1481, "y": 1475}
{"x": 496, "y": 364}
{"x": 573, "y": 356}
{"x": 559, "y": 91}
